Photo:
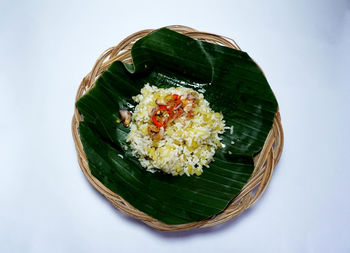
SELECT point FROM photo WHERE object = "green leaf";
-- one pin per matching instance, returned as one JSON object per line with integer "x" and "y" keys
{"x": 233, "y": 84}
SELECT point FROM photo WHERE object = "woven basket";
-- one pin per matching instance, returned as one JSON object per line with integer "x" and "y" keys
{"x": 264, "y": 162}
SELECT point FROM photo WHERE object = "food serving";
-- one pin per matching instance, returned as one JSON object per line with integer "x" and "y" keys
{"x": 173, "y": 130}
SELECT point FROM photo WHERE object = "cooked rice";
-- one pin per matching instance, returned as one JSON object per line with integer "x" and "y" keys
{"x": 188, "y": 144}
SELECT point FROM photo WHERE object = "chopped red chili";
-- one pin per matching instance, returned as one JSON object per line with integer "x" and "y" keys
{"x": 175, "y": 97}
{"x": 162, "y": 108}
{"x": 154, "y": 119}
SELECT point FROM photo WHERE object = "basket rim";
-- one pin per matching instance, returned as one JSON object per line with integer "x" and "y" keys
{"x": 264, "y": 161}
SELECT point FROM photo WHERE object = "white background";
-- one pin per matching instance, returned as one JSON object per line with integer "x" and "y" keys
{"x": 47, "y": 47}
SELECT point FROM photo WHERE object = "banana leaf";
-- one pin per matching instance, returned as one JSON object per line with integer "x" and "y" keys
{"x": 230, "y": 81}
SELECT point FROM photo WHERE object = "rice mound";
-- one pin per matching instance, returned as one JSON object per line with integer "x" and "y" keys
{"x": 188, "y": 143}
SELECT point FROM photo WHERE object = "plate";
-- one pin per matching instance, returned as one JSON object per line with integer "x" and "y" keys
{"x": 233, "y": 84}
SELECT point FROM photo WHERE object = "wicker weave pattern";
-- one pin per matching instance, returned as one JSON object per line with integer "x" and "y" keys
{"x": 265, "y": 161}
